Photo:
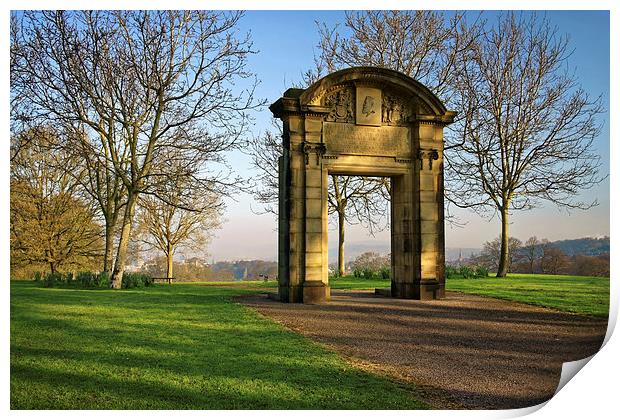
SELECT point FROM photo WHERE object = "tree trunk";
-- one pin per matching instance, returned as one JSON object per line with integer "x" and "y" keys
{"x": 52, "y": 267}
{"x": 169, "y": 258}
{"x": 502, "y": 270}
{"x": 341, "y": 242}
{"x": 123, "y": 243}
{"x": 108, "y": 256}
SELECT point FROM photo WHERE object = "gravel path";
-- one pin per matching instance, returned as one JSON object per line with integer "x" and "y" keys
{"x": 465, "y": 351}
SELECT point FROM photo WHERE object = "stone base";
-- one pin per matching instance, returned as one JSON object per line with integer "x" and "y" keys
{"x": 290, "y": 294}
{"x": 425, "y": 290}
{"x": 385, "y": 292}
{"x": 429, "y": 290}
{"x": 311, "y": 292}
{"x": 315, "y": 292}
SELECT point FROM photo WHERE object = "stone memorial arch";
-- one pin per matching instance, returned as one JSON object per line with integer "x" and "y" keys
{"x": 371, "y": 122}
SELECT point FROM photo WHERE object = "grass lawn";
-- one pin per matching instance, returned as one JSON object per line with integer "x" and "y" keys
{"x": 581, "y": 295}
{"x": 174, "y": 347}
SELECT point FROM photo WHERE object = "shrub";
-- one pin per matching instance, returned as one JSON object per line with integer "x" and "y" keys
{"x": 85, "y": 279}
{"x": 466, "y": 272}
{"x": 67, "y": 278}
{"x": 103, "y": 280}
{"x": 451, "y": 271}
{"x": 89, "y": 280}
{"x": 385, "y": 273}
{"x": 481, "y": 272}
{"x": 132, "y": 280}
{"x": 38, "y": 276}
{"x": 52, "y": 279}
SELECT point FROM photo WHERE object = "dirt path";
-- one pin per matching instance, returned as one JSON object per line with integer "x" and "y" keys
{"x": 462, "y": 352}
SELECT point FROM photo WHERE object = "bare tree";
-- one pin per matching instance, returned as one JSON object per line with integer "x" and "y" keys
{"x": 424, "y": 45}
{"x": 185, "y": 219}
{"x": 553, "y": 260}
{"x": 527, "y": 127}
{"x": 20, "y": 120}
{"x": 144, "y": 82}
{"x": 96, "y": 173}
{"x": 530, "y": 252}
{"x": 266, "y": 150}
{"x": 357, "y": 200}
{"x": 99, "y": 180}
{"x": 491, "y": 253}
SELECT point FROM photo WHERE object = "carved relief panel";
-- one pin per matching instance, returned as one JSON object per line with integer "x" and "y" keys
{"x": 396, "y": 110}
{"x": 368, "y": 106}
{"x": 364, "y": 105}
{"x": 340, "y": 102}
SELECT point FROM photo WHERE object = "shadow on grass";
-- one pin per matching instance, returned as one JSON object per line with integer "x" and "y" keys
{"x": 173, "y": 347}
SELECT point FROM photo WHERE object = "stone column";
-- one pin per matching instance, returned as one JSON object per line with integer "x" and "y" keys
{"x": 430, "y": 212}
{"x": 291, "y": 212}
{"x": 403, "y": 243}
{"x": 315, "y": 281}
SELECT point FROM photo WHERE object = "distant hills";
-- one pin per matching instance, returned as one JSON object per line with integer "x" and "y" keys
{"x": 353, "y": 250}
{"x": 583, "y": 246}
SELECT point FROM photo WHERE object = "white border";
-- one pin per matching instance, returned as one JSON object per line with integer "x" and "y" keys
{"x": 591, "y": 395}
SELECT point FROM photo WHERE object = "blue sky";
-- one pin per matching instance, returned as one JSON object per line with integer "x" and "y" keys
{"x": 286, "y": 41}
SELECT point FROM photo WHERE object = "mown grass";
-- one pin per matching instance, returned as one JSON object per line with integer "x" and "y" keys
{"x": 575, "y": 294}
{"x": 185, "y": 346}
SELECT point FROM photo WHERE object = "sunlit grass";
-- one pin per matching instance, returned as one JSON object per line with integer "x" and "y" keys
{"x": 581, "y": 295}
{"x": 174, "y": 347}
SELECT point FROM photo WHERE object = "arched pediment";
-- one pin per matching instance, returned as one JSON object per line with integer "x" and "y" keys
{"x": 401, "y": 96}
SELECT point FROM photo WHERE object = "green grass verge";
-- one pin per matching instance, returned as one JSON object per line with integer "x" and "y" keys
{"x": 575, "y": 294}
{"x": 580, "y": 295}
{"x": 174, "y": 347}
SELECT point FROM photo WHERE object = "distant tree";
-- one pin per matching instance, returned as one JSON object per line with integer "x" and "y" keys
{"x": 192, "y": 269}
{"x": 553, "y": 261}
{"x": 357, "y": 200}
{"x": 526, "y": 127}
{"x": 491, "y": 253}
{"x": 584, "y": 265}
{"x": 371, "y": 262}
{"x": 50, "y": 224}
{"x": 600, "y": 265}
{"x": 177, "y": 215}
{"x": 530, "y": 252}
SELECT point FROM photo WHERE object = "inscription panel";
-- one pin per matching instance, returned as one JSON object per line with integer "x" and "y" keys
{"x": 372, "y": 141}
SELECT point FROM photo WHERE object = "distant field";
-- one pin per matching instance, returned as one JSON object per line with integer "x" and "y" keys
{"x": 581, "y": 295}
{"x": 185, "y": 346}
